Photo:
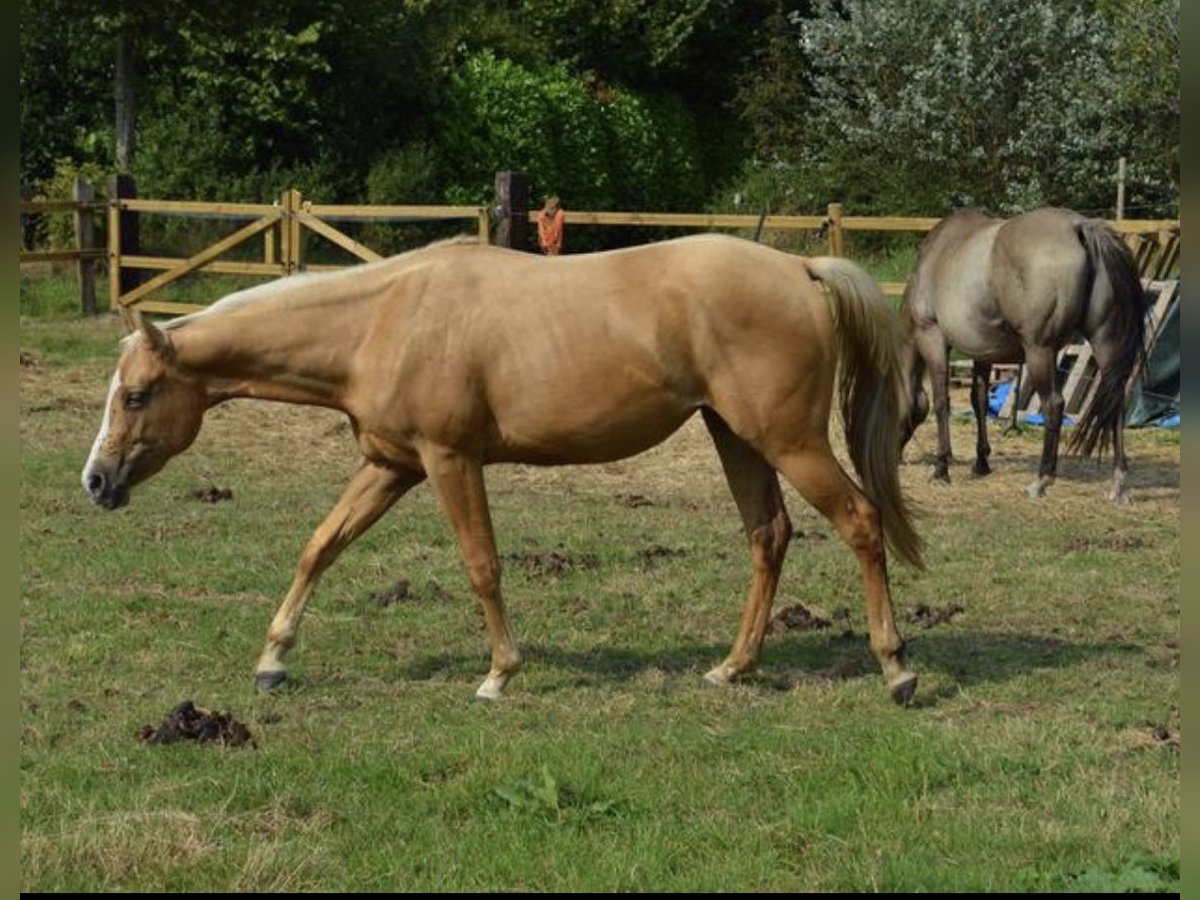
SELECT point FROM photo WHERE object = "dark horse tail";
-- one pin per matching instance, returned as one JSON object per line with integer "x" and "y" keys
{"x": 871, "y": 393}
{"x": 1110, "y": 259}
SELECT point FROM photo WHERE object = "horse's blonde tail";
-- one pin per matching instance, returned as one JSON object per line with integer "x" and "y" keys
{"x": 871, "y": 393}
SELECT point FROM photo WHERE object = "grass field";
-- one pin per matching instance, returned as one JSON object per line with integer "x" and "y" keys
{"x": 1041, "y": 752}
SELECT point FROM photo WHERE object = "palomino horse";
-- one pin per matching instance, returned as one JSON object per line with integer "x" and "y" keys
{"x": 1004, "y": 291}
{"x": 451, "y": 357}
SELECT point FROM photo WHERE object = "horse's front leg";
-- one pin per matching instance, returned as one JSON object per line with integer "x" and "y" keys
{"x": 1040, "y": 361}
{"x": 981, "y": 376}
{"x": 459, "y": 483}
{"x": 371, "y": 491}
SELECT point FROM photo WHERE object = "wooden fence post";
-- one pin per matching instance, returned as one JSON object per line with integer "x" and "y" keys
{"x": 124, "y": 238}
{"x": 85, "y": 241}
{"x": 291, "y": 234}
{"x": 293, "y": 203}
{"x": 835, "y": 229}
{"x": 484, "y": 225}
{"x": 513, "y": 190}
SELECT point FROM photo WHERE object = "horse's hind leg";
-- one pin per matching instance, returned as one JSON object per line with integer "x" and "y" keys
{"x": 1106, "y": 352}
{"x": 1040, "y": 361}
{"x": 820, "y": 480}
{"x": 459, "y": 483}
{"x": 755, "y": 488}
{"x": 371, "y": 491}
{"x": 981, "y": 375}
{"x": 931, "y": 344}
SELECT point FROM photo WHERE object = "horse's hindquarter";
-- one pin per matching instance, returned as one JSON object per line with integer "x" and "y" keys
{"x": 954, "y": 293}
{"x": 1039, "y": 275}
{"x": 596, "y": 357}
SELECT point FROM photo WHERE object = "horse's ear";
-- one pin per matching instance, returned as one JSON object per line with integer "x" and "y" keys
{"x": 156, "y": 339}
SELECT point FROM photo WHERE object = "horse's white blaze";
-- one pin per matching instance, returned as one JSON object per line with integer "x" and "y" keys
{"x": 102, "y": 436}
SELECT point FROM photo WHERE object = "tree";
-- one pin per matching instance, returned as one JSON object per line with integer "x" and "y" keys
{"x": 919, "y": 104}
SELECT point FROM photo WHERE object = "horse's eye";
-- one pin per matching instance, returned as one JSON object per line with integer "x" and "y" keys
{"x": 137, "y": 399}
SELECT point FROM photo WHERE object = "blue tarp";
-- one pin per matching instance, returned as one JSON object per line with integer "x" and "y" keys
{"x": 998, "y": 394}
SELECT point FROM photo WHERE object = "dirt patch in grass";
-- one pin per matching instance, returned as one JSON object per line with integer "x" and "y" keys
{"x": 651, "y": 556}
{"x": 403, "y": 592}
{"x": 633, "y": 501}
{"x": 1114, "y": 542}
{"x": 548, "y": 564}
{"x": 186, "y": 722}
{"x": 798, "y": 618}
{"x": 213, "y": 494}
{"x": 930, "y": 616}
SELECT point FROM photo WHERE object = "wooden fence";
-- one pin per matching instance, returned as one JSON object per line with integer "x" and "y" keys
{"x": 282, "y": 227}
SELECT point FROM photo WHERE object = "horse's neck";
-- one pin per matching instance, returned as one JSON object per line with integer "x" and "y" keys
{"x": 298, "y": 355}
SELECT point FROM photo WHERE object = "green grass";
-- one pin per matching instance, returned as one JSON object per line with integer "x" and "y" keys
{"x": 1033, "y": 758}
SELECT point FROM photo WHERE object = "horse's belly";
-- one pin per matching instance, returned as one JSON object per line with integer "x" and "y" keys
{"x": 987, "y": 338}
{"x": 594, "y": 429}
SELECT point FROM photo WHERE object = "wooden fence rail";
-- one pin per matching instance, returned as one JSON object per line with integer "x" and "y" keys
{"x": 284, "y": 224}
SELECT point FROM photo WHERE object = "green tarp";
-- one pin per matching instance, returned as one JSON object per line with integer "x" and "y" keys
{"x": 1155, "y": 400}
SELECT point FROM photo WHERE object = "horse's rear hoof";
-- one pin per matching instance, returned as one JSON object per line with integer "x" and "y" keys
{"x": 982, "y": 469}
{"x": 266, "y": 682}
{"x": 904, "y": 688}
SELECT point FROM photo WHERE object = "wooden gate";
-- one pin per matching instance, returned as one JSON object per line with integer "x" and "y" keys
{"x": 282, "y": 226}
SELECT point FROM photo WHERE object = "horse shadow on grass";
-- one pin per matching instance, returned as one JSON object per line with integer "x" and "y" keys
{"x": 965, "y": 657}
{"x": 1142, "y": 475}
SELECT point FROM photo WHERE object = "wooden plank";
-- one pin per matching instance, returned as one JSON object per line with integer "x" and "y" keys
{"x": 342, "y": 240}
{"x": 169, "y": 307}
{"x": 689, "y": 220}
{"x": 1158, "y": 311}
{"x": 888, "y": 223}
{"x": 1079, "y": 379}
{"x": 28, "y": 256}
{"x": 198, "y": 208}
{"x": 1138, "y": 226}
{"x": 204, "y": 256}
{"x": 1169, "y": 260}
{"x": 60, "y": 206}
{"x": 893, "y": 288}
{"x": 384, "y": 211}
{"x": 216, "y": 267}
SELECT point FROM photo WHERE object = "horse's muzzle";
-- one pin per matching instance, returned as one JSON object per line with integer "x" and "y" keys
{"x": 106, "y": 492}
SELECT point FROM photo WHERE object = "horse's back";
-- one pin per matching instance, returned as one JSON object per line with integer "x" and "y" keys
{"x": 598, "y": 356}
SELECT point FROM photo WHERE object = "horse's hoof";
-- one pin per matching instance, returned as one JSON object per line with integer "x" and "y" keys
{"x": 982, "y": 470}
{"x": 492, "y": 688}
{"x": 720, "y": 676}
{"x": 1036, "y": 491}
{"x": 903, "y": 688}
{"x": 266, "y": 682}
{"x": 937, "y": 476}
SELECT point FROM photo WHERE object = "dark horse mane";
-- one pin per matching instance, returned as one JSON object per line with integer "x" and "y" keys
{"x": 1109, "y": 254}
